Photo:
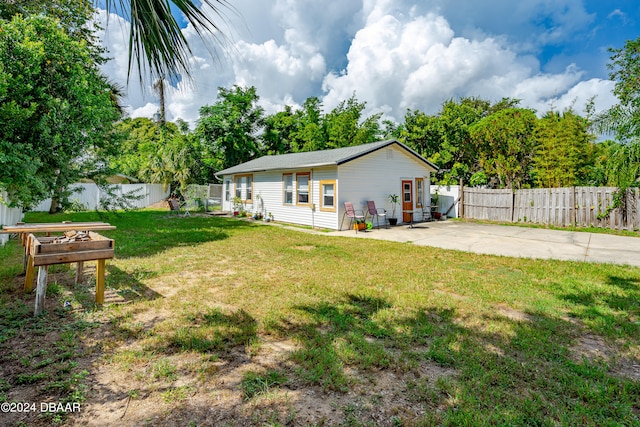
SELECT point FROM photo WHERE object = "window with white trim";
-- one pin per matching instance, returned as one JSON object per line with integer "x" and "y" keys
{"x": 328, "y": 196}
{"x": 419, "y": 192}
{"x": 244, "y": 188}
{"x": 302, "y": 188}
{"x": 287, "y": 188}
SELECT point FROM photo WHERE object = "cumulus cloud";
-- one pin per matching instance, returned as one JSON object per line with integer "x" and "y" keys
{"x": 393, "y": 54}
{"x": 403, "y": 60}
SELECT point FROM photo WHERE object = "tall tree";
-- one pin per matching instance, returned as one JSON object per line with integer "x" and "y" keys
{"x": 624, "y": 118}
{"x": 444, "y": 138}
{"x": 139, "y": 140}
{"x": 310, "y": 133}
{"x": 278, "y": 131}
{"x": 506, "y": 141}
{"x": 229, "y": 129}
{"x": 345, "y": 127}
{"x": 55, "y": 108}
{"x": 72, "y": 14}
{"x": 564, "y": 150}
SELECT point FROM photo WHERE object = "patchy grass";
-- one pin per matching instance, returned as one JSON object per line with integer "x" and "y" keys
{"x": 206, "y": 314}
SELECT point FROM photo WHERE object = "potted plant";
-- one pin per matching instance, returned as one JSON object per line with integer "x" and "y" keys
{"x": 360, "y": 225}
{"x": 394, "y": 199}
{"x": 237, "y": 204}
{"x": 269, "y": 217}
{"x": 434, "y": 203}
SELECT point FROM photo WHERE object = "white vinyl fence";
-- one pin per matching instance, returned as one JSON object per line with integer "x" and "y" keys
{"x": 448, "y": 199}
{"x": 8, "y": 216}
{"x": 89, "y": 195}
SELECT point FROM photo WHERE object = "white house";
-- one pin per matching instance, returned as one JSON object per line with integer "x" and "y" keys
{"x": 310, "y": 188}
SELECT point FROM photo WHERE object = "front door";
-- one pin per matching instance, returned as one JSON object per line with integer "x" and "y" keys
{"x": 407, "y": 200}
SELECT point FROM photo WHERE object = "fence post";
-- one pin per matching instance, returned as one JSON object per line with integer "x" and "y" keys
{"x": 572, "y": 207}
{"x": 461, "y": 206}
{"x": 513, "y": 203}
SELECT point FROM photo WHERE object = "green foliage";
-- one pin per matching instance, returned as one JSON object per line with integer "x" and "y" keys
{"x": 345, "y": 127}
{"x": 157, "y": 41}
{"x": 444, "y": 138}
{"x": 72, "y": 14}
{"x": 623, "y": 166}
{"x": 228, "y": 129}
{"x": 506, "y": 142}
{"x": 138, "y": 140}
{"x": 564, "y": 150}
{"x": 256, "y": 384}
{"x": 55, "y": 107}
{"x": 624, "y": 118}
{"x": 278, "y": 132}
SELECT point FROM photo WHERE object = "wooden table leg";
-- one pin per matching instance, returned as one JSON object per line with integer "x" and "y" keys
{"x": 79, "y": 269}
{"x": 100, "y": 267}
{"x": 28, "y": 277}
{"x": 41, "y": 290}
{"x": 25, "y": 246}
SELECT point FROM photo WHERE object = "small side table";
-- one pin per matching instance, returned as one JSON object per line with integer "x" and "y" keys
{"x": 410, "y": 214}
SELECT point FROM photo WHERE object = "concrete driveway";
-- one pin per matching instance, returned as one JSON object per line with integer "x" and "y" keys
{"x": 512, "y": 241}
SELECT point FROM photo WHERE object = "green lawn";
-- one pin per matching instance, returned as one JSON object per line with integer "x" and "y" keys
{"x": 377, "y": 333}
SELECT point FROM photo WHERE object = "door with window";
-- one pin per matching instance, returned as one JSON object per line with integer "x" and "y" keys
{"x": 407, "y": 200}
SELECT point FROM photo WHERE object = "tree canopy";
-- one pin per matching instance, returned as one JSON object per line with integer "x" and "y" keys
{"x": 55, "y": 107}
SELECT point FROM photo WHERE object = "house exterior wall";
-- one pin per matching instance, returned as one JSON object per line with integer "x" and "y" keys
{"x": 372, "y": 177}
{"x": 375, "y": 176}
{"x": 268, "y": 197}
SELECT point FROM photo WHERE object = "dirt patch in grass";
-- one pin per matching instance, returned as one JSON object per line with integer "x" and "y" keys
{"x": 513, "y": 314}
{"x": 141, "y": 386}
{"x": 593, "y": 348}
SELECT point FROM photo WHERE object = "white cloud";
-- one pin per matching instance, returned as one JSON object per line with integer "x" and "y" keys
{"x": 417, "y": 62}
{"x": 394, "y": 54}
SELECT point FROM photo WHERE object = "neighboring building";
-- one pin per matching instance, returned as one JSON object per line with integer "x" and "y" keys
{"x": 310, "y": 188}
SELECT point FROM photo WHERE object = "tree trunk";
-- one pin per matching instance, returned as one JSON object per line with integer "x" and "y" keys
{"x": 53, "y": 208}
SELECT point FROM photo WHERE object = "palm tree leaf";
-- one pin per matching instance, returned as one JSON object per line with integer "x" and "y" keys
{"x": 156, "y": 42}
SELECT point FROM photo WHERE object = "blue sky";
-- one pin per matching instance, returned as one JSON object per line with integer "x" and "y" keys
{"x": 399, "y": 54}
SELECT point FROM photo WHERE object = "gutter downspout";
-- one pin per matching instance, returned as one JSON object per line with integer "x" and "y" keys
{"x": 313, "y": 205}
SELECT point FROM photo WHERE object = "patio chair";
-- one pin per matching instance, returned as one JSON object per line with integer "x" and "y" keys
{"x": 175, "y": 206}
{"x": 377, "y": 213}
{"x": 427, "y": 212}
{"x": 352, "y": 214}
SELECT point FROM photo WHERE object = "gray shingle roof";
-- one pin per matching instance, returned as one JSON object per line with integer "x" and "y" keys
{"x": 310, "y": 159}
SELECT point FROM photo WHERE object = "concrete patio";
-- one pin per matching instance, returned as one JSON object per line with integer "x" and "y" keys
{"x": 511, "y": 241}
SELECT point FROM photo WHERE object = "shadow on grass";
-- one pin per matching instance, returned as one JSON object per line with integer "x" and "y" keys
{"x": 148, "y": 232}
{"x": 128, "y": 286}
{"x": 214, "y": 331}
{"x": 610, "y": 312}
{"x": 434, "y": 365}
{"x": 507, "y": 371}
{"x": 350, "y": 333}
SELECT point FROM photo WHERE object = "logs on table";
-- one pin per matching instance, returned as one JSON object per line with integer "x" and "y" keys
{"x": 72, "y": 236}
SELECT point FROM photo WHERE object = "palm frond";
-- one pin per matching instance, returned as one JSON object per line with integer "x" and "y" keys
{"x": 156, "y": 43}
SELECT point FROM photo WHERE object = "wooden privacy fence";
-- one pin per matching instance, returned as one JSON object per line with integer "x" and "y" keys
{"x": 580, "y": 206}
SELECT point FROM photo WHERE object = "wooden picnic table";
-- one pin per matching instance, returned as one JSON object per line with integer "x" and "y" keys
{"x": 64, "y": 253}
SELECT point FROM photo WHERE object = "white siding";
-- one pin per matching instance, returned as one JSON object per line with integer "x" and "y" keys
{"x": 269, "y": 198}
{"x": 375, "y": 176}
{"x": 371, "y": 177}
{"x": 321, "y": 218}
